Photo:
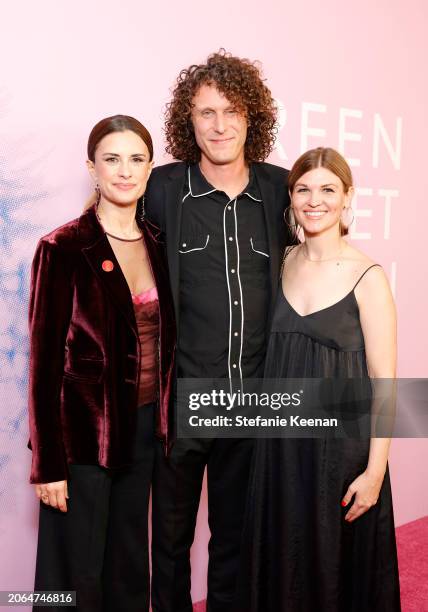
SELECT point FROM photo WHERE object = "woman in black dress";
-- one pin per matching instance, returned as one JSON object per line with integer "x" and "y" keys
{"x": 319, "y": 534}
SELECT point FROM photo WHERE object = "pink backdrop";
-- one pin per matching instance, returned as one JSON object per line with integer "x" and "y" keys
{"x": 351, "y": 78}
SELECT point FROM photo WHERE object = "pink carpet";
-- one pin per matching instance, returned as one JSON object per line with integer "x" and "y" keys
{"x": 412, "y": 542}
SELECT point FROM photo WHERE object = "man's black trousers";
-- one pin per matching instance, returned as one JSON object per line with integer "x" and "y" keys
{"x": 177, "y": 486}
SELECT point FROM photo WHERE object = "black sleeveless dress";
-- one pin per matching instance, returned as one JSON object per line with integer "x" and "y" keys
{"x": 298, "y": 553}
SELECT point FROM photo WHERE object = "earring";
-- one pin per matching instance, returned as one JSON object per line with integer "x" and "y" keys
{"x": 97, "y": 195}
{"x": 141, "y": 209}
{"x": 344, "y": 217}
{"x": 293, "y": 227}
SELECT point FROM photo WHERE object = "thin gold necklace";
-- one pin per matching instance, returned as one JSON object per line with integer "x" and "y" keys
{"x": 322, "y": 260}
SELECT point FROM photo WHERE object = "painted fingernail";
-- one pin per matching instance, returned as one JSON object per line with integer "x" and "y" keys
{"x": 344, "y": 503}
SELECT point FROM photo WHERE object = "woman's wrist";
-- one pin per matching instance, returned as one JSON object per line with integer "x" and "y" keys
{"x": 376, "y": 472}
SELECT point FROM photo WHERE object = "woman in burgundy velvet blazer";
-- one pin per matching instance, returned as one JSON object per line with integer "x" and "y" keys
{"x": 92, "y": 443}
{"x": 84, "y": 360}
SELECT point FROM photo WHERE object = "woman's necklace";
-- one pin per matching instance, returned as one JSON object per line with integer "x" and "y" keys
{"x": 336, "y": 256}
{"x": 123, "y": 239}
{"x": 113, "y": 235}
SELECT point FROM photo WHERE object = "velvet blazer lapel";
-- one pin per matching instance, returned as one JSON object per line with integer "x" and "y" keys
{"x": 97, "y": 251}
{"x": 157, "y": 259}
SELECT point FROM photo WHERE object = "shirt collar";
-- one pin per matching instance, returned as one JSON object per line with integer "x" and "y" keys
{"x": 199, "y": 186}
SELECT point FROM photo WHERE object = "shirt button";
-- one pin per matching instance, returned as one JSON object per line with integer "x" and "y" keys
{"x": 236, "y": 334}
{"x": 236, "y": 302}
{"x": 230, "y": 238}
{"x": 233, "y": 270}
{"x": 234, "y": 365}
{"x": 229, "y": 208}
{"x": 184, "y": 244}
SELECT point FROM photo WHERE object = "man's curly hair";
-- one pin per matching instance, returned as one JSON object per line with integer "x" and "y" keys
{"x": 240, "y": 81}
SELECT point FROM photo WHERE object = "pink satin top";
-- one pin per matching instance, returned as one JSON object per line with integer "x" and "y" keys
{"x": 146, "y": 307}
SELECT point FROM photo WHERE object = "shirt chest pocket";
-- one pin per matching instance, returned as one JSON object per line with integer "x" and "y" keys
{"x": 256, "y": 264}
{"x": 259, "y": 248}
{"x": 194, "y": 244}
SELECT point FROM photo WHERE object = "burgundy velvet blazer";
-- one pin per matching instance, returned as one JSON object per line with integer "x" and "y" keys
{"x": 85, "y": 351}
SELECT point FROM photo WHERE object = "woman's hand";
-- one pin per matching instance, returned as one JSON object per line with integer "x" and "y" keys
{"x": 366, "y": 489}
{"x": 53, "y": 494}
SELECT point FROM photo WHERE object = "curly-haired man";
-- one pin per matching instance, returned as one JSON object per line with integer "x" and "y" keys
{"x": 221, "y": 209}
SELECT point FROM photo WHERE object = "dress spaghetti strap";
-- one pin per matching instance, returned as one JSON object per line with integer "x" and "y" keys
{"x": 365, "y": 272}
{"x": 287, "y": 251}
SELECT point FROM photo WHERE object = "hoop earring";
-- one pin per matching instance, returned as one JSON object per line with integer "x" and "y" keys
{"x": 346, "y": 224}
{"x": 293, "y": 228}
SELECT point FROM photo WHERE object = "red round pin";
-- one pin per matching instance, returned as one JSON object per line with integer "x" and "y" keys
{"x": 107, "y": 265}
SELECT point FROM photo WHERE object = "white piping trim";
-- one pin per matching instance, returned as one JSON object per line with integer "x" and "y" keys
{"x": 240, "y": 291}
{"x": 252, "y": 197}
{"x": 187, "y": 194}
{"x": 199, "y": 195}
{"x": 256, "y": 251}
{"x": 197, "y": 248}
{"x": 230, "y": 297}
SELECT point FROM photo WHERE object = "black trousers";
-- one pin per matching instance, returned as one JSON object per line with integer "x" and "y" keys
{"x": 99, "y": 548}
{"x": 177, "y": 486}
